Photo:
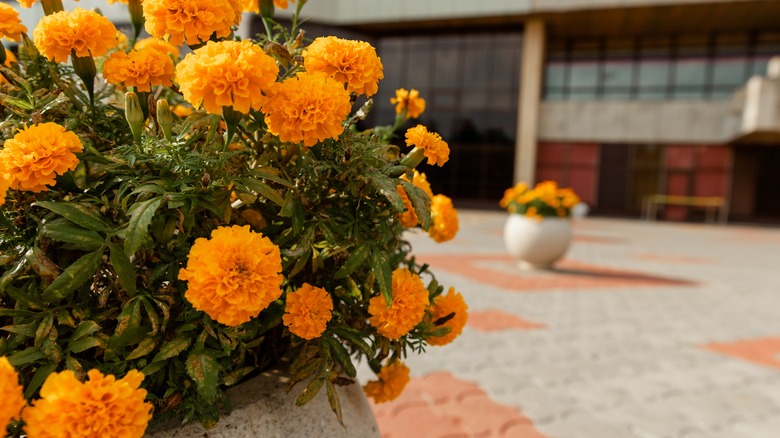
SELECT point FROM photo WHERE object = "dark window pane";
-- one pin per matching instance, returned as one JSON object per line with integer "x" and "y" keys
{"x": 419, "y": 65}
{"x": 616, "y": 93}
{"x": 729, "y": 71}
{"x": 446, "y": 62}
{"x": 584, "y": 74}
{"x": 758, "y": 66}
{"x": 473, "y": 100}
{"x": 553, "y": 94}
{"x": 690, "y": 72}
{"x": 654, "y": 73}
{"x": 582, "y": 93}
{"x": 652, "y": 93}
{"x": 555, "y": 74}
{"x": 474, "y": 61}
{"x": 503, "y": 72}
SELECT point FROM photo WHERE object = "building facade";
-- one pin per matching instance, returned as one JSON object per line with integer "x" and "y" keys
{"x": 618, "y": 99}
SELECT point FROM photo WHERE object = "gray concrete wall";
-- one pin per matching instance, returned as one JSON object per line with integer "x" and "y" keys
{"x": 705, "y": 121}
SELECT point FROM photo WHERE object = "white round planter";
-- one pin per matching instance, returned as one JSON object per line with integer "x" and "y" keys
{"x": 537, "y": 243}
{"x": 262, "y": 407}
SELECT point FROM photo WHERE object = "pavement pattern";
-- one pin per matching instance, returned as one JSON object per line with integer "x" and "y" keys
{"x": 645, "y": 329}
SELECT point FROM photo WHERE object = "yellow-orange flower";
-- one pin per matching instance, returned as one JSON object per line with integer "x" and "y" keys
{"x": 436, "y": 150}
{"x": 308, "y": 311}
{"x": 393, "y": 379}
{"x": 409, "y": 217}
{"x": 158, "y": 44}
{"x": 102, "y": 406}
{"x": 11, "y": 26}
{"x": 410, "y": 298}
{"x": 444, "y": 217}
{"x": 227, "y": 73}
{"x": 87, "y": 33}
{"x": 36, "y": 155}
{"x": 350, "y": 62}
{"x": 11, "y": 398}
{"x": 182, "y": 110}
{"x": 254, "y": 5}
{"x": 111, "y": 2}
{"x": 307, "y": 108}
{"x": 193, "y": 21}
{"x": 234, "y": 275}
{"x": 139, "y": 68}
{"x": 27, "y": 3}
{"x": 410, "y": 101}
{"x": 453, "y": 309}
{"x": 3, "y": 194}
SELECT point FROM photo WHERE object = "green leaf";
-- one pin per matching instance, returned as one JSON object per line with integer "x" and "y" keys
{"x": 28, "y": 330}
{"x": 138, "y": 226}
{"x": 293, "y": 209}
{"x": 25, "y": 356}
{"x": 77, "y": 214}
{"x": 145, "y": 347}
{"x": 23, "y": 299}
{"x": 355, "y": 337}
{"x": 311, "y": 389}
{"x": 358, "y": 256}
{"x": 84, "y": 344}
{"x": 124, "y": 268}
{"x": 342, "y": 356}
{"x": 387, "y": 187}
{"x": 333, "y": 400}
{"x": 86, "y": 328}
{"x": 42, "y": 332}
{"x": 78, "y": 273}
{"x": 381, "y": 268}
{"x": 420, "y": 202}
{"x": 75, "y": 235}
{"x": 266, "y": 173}
{"x": 38, "y": 378}
{"x": 263, "y": 189}
{"x": 11, "y": 274}
{"x": 203, "y": 368}
{"x": 153, "y": 368}
{"x": 235, "y": 376}
{"x": 173, "y": 347}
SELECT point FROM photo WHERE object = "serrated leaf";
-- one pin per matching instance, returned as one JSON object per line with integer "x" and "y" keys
{"x": 203, "y": 368}
{"x": 124, "y": 268}
{"x": 75, "y": 235}
{"x": 358, "y": 256}
{"x": 173, "y": 348}
{"x": 75, "y": 275}
{"x": 138, "y": 226}
{"x": 76, "y": 214}
{"x": 381, "y": 268}
{"x": 387, "y": 187}
{"x": 153, "y": 368}
{"x": 145, "y": 347}
{"x": 420, "y": 202}
{"x": 25, "y": 356}
{"x": 22, "y": 329}
{"x": 84, "y": 344}
{"x": 262, "y": 189}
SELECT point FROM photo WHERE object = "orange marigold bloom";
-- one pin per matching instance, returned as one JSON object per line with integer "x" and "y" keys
{"x": 445, "y": 219}
{"x": 410, "y": 101}
{"x": 193, "y": 21}
{"x": 158, "y": 44}
{"x": 34, "y": 156}
{"x": 102, "y": 406}
{"x": 182, "y": 110}
{"x": 11, "y": 397}
{"x": 410, "y": 298}
{"x": 254, "y": 5}
{"x": 87, "y": 33}
{"x": 308, "y": 311}
{"x": 3, "y": 194}
{"x": 27, "y": 3}
{"x": 139, "y": 68}
{"x": 354, "y": 63}
{"x": 226, "y": 73}
{"x": 450, "y": 306}
{"x": 234, "y": 275}
{"x": 436, "y": 150}
{"x": 307, "y": 108}
{"x": 513, "y": 193}
{"x": 393, "y": 379}
{"x": 11, "y": 26}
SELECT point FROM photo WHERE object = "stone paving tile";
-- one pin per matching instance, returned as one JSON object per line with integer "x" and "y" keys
{"x": 684, "y": 345}
{"x": 496, "y": 320}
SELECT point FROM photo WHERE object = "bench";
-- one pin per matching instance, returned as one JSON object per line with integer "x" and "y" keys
{"x": 710, "y": 203}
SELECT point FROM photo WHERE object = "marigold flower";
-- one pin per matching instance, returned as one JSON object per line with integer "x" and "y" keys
{"x": 34, "y": 156}
{"x": 393, "y": 379}
{"x": 234, "y": 275}
{"x": 512, "y": 193}
{"x": 436, "y": 150}
{"x": 87, "y": 33}
{"x": 254, "y": 5}
{"x": 139, "y": 68}
{"x": 182, "y": 110}
{"x": 11, "y": 396}
{"x": 11, "y": 26}
{"x": 193, "y": 21}
{"x": 308, "y": 311}
{"x": 307, "y": 108}
{"x": 453, "y": 308}
{"x": 354, "y": 63}
{"x": 158, "y": 44}
{"x": 409, "y": 217}
{"x": 3, "y": 194}
{"x": 27, "y": 3}
{"x": 410, "y": 101}
{"x": 410, "y": 298}
{"x": 227, "y": 73}
{"x": 102, "y": 406}
{"x": 445, "y": 219}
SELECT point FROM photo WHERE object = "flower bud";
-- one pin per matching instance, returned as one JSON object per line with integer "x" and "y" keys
{"x": 165, "y": 118}
{"x": 134, "y": 115}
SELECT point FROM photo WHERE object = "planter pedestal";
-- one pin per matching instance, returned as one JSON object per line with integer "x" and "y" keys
{"x": 262, "y": 407}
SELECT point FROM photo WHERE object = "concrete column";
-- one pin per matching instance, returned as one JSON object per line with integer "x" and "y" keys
{"x": 531, "y": 79}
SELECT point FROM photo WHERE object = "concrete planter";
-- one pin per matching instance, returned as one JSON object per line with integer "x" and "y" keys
{"x": 537, "y": 243}
{"x": 262, "y": 407}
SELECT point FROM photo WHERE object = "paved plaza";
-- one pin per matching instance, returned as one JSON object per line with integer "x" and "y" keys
{"x": 646, "y": 329}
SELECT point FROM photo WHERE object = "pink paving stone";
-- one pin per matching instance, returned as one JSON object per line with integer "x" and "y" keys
{"x": 764, "y": 351}
{"x": 502, "y": 271}
{"x": 441, "y": 406}
{"x": 674, "y": 259}
{"x": 496, "y": 320}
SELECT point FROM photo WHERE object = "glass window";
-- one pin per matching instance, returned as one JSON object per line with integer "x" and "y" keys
{"x": 618, "y": 73}
{"x": 418, "y": 67}
{"x": 654, "y": 73}
{"x": 475, "y": 58}
{"x": 729, "y": 71}
{"x": 446, "y": 58}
